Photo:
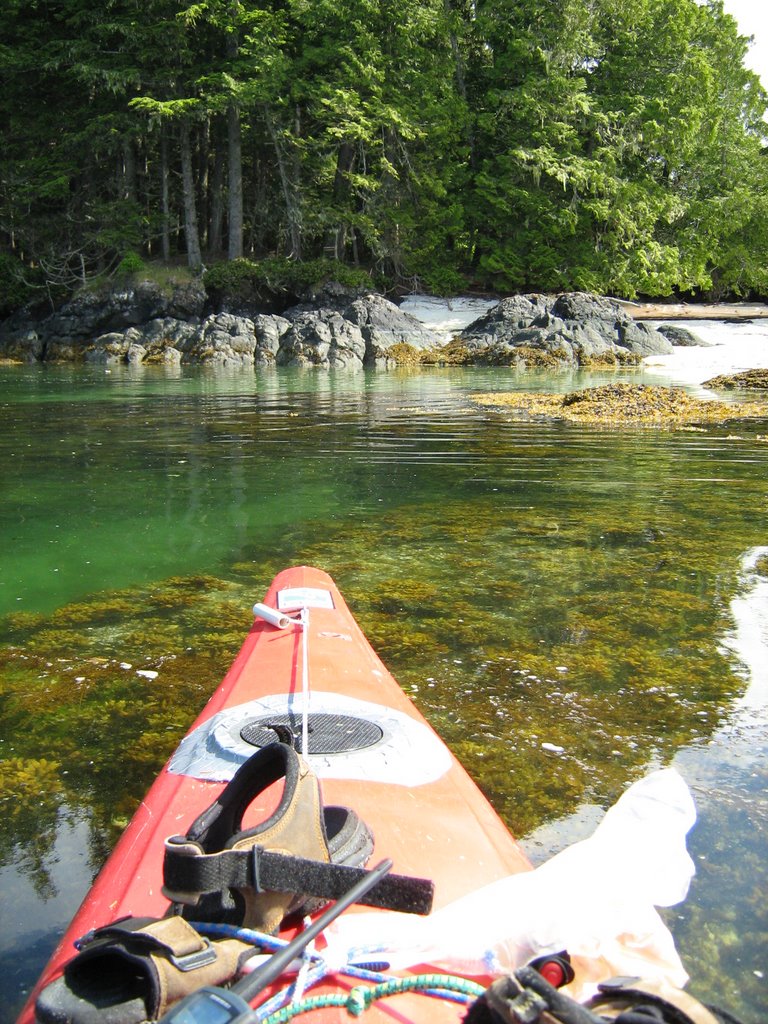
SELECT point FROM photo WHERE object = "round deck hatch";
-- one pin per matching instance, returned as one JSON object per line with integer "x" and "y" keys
{"x": 328, "y": 733}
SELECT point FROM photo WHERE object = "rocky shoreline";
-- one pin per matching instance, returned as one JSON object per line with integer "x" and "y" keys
{"x": 143, "y": 323}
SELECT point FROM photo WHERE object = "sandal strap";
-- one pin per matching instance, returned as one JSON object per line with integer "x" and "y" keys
{"x": 299, "y": 811}
{"x": 190, "y": 874}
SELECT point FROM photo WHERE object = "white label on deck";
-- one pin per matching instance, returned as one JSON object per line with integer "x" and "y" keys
{"x": 304, "y": 597}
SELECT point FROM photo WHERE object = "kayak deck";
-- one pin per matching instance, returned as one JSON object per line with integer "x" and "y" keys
{"x": 369, "y": 746}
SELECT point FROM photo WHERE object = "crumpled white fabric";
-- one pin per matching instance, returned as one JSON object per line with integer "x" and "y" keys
{"x": 596, "y": 899}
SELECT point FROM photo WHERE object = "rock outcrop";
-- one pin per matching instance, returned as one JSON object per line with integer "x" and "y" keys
{"x": 169, "y": 328}
{"x": 145, "y": 324}
{"x": 573, "y": 328}
{"x": 323, "y": 338}
{"x": 383, "y": 326}
{"x": 681, "y": 337}
{"x": 68, "y": 334}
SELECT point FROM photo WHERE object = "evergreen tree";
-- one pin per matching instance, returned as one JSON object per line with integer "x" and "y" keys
{"x": 609, "y": 145}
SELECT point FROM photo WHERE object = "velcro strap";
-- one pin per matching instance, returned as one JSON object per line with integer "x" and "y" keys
{"x": 172, "y": 936}
{"x": 188, "y": 873}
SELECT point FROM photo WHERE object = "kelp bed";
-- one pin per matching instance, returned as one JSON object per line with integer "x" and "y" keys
{"x": 552, "y": 694}
{"x": 500, "y": 661}
{"x": 636, "y": 404}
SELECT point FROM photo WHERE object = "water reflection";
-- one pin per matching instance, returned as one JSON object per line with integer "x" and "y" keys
{"x": 718, "y": 928}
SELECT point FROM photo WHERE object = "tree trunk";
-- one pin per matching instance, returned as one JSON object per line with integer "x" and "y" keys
{"x": 194, "y": 256}
{"x": 458, "y": 60}
{"x": 129, "y": 169}
{"x": 201, "y": 179}
{"x": 165, "y": 222}
{"x": 289, "y": 189}
{"x": 460, "y": 78}
{"x": 216, "y": 226}
{"x": 235, "y": 247}
{"x": 234, "y": 152}
{"x": 337, "y": 237}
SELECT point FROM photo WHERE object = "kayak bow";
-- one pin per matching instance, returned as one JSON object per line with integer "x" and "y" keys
{"x": 307, "y": 675}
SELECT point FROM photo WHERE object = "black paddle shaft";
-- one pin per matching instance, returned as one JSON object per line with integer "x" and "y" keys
{"x": 255, "y": 982}
{"x": 213, "y": 1005}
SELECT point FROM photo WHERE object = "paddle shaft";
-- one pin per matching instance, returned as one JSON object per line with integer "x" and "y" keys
{"x": 257, "y": 980}
{"x": 213, "y": 1005}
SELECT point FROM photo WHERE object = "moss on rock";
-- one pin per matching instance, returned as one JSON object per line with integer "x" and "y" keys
{"x": 751, "y": 379}
{"x": 622, "y": 403}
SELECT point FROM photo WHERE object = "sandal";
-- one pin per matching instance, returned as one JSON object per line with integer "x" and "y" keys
{"x": 303, "y": 855}
{"x": 132, "y": 970}
{"x": 212, "y": 867}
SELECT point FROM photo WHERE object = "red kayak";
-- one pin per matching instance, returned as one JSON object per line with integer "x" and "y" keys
{"x": 236, "y": 809}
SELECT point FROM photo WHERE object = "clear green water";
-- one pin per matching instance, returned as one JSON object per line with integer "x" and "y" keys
{"x": 527, "y": 583}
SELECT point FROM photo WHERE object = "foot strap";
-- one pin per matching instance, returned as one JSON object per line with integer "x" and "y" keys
{"x": 189, "y": 873}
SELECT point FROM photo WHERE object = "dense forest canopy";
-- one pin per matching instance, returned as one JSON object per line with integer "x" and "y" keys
{"x": 608, "y": 145}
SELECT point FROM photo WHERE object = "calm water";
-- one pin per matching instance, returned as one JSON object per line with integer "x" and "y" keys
{"x": 528, "y": 584}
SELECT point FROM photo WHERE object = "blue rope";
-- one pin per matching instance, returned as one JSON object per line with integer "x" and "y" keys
{"x": 274, "y": 1011}
{"x": 231, "y": 931}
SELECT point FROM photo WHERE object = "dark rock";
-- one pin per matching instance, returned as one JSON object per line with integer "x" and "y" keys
{"x": 642, "y": 340}
{"x": 333, "y": 295}
{"x": 64, "y": 350}
{"x": 159, "y": 341}
{"x": 145, "y": 323}
{"x": 91, "y": 313}
{"x": 583, "y": 306}
{"x": 225, "y": 340}
{"x": 222, "y": 339}
{"x": 323, "y": 339}
{"x": 501, "y": 324}
{"x": 384, "y": 325}
{"x": 611, "y": 321}
{"x": 681, "y": 337}
{"x": 167, "y": 332}
{"x": 572, "y": 328}
{"x": 21, "y": 342}
{"x": 69, "y": 332}
{"x": 112, "y": 347}
{"x": 269, "y": 329}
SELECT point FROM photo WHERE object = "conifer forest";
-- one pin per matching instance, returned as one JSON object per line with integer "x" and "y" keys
{"x": 612, "y": 146}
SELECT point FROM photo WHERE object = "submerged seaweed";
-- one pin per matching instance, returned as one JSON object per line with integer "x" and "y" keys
{"x": 623, "y": 403}
{"x": 559, "y": 621}
{"x": 499, "y": 664}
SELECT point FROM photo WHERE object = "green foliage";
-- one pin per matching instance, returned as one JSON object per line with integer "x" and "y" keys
{"x": 18, "y": 284}
{"x": 614, "y": 146}
{"x": 435, "y": 279}
{"x": 610, "y": 151}
{"x": 278, "y": 282}
{"x": 131, "y": 263}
